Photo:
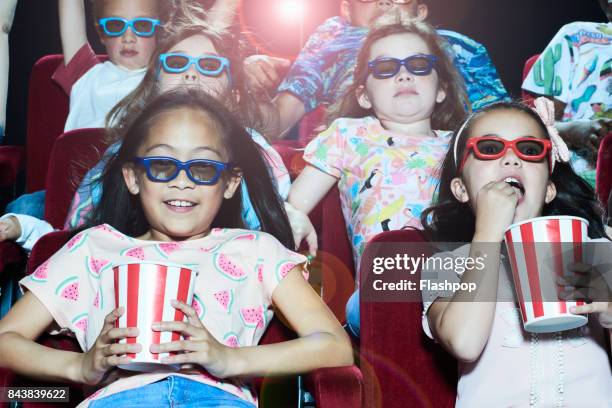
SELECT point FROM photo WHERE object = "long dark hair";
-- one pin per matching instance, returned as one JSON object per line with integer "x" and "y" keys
{"x": 121, "y": 209}
{"x": 448, "y": 113}
{"x": 449, "y": 220}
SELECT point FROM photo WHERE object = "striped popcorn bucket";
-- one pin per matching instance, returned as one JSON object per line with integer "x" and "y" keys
{"x": 145, "y": 290}
{"x": 540, "y": 250}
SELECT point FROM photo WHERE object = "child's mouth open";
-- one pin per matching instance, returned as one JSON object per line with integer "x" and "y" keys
{"x": 517, "y": 186}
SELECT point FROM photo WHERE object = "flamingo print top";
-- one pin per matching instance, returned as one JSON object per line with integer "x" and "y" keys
{"x": 238, "y": 273}
{"x": 385, "y": 179}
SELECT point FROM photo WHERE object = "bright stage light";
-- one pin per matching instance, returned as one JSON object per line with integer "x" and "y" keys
{"x": 291, "y": 10}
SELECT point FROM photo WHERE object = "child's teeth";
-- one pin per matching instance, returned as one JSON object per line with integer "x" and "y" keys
{"x": 180, "y": 204}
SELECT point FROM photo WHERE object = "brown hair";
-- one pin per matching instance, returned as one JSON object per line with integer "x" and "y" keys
{"x": 448, "y": 113}
{"x": 238, "y": 100}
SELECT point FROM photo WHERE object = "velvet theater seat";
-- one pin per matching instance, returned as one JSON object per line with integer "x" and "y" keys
{"x": 12, "y": 161}
{"x": 527, "y": 96}
{"x": 603, "y": 175}
{"x": 401, "y": 366}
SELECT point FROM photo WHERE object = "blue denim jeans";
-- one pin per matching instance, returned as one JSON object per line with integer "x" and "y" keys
{"x": 29, "y": 204}
{"x": 352, "y": 314}
{"x": 173, "y": 391}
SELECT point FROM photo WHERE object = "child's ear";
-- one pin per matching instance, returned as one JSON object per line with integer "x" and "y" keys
{"x": 131, "y": 180}
{"x": 459, "y": 190}
{"x": 422, "y": 12}
{"x": 233, "y": 183}
{"x": 441, "y": 94}
{"x": 551, "y": 192}
{"x": 362, "y": 97}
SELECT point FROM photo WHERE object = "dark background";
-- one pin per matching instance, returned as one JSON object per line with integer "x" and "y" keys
{"x": 512, "y": 31}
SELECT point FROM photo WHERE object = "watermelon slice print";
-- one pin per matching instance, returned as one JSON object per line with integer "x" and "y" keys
{"x": 167, "y": 248}
{"x": 228, "y": 268}
{"x": 41, "y": 273}
{"x": 225, "y": 298}
{"x": 198, "y": 306}
{"x": 137, "y": 252}
{"x": 283, "y": 268}
{"x": 69, "y": 288}
{"x": 99, "y": 300}
{"x": 95, "y": 266}
{"x": 76, "y": 241}
{"x": 80, "y": 322}
{"x": 253, "y": 317}
{"x": 110, "y": 230}
{"x": 231, "y": 340}
{"x": 259, "y": 267}
{"x": 246, "y": 236}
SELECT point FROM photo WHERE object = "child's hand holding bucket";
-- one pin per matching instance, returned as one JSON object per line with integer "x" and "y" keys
{"x": 106, "y": 352}
{"x": 198, "y": 346}
{"x": 589, "y": 284}
{"x": 145, "y": 289}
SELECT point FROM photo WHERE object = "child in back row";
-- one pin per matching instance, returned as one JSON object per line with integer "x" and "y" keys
{"x": 129, "y": 31}
{"x": 192, "y": 57}
{"x": 384, "y": 148}
{"x": 508, "y": 164}
{"x": 324, "y": 69}
{"x": 180, "y": 202}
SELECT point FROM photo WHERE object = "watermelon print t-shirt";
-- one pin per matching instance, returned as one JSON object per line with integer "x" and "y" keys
{"x": 238, "y": 272}
{"x": 385, "y": 179}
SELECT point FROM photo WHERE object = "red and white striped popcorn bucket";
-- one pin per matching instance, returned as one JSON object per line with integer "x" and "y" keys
{"x": 540, "y": 250}
{"x": 145, "y": 290}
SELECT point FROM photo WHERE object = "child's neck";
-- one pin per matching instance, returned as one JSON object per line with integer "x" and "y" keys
{"x": 421, "y": 127}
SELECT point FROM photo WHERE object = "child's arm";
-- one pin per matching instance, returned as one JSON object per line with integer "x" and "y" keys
{"x": 23, "y": 229}
{"x": 309, "y": 188}
{"x": 72, "y": 27}
{"x": 28, "y": 319}
{"x": 222, "y": 13}
{"x": 462, "y": 324}
{"x": 322, "y": 342}
{"x": 24, "y": 322}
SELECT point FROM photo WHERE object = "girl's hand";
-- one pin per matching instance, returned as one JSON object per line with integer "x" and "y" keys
{"x": 495, "y": 207}
{"x": 589, "y": 284}
{"x": 198, "y": 347}
{"x": 10, "y": 229}
{"x": 301, "y": 227}
{"x": 106, "y": 353}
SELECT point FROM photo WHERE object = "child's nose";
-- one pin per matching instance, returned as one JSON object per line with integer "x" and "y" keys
{"x": 511, "y": 159}
{"x": 403, "y": 75}
{"x": 129, "y": 36}
{"x": 384, "y": 4}
{"x": 181, "y": 181}
{"x": 191, "y": 75}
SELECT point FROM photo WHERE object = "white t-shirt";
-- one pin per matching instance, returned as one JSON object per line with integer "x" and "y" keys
{"x": 518, "y": 369}
{"x": 97, "y": 92}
